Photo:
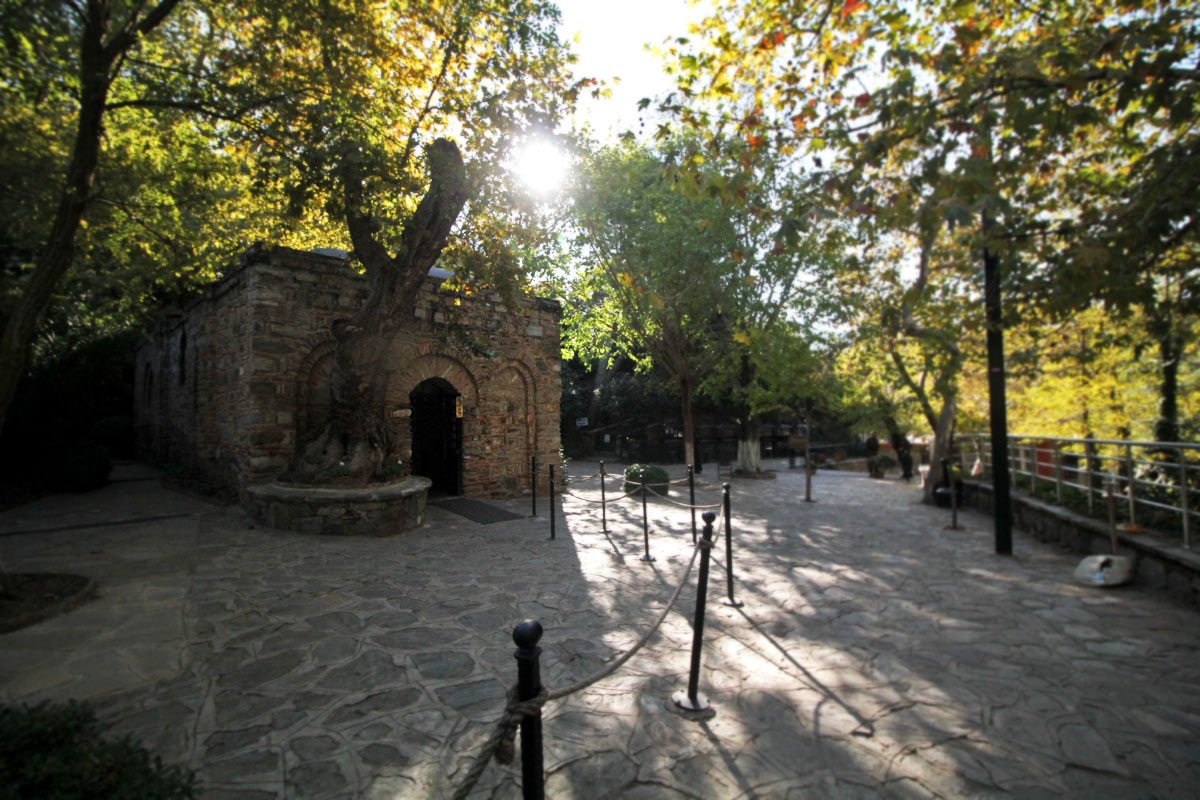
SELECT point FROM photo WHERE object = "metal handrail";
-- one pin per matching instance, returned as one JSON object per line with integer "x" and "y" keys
{"x": 1033, "y": 465}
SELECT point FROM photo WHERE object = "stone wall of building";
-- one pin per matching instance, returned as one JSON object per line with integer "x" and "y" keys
{"x": 232, "y": 385}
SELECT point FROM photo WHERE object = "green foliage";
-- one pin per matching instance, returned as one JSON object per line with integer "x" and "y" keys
{"x": 657, "y": 265}
{"x": 70, "y": 414}
{"x": 1069, "y": 126}
{"x": 655, "y": 479}
{"x": 80, "y": 467}
{"x": 878, "y": 465}
{"x": 57, "y": 752}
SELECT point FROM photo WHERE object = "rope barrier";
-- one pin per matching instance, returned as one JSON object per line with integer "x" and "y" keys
{"x": 682, "y": 504}
{"x": 635, "y": 492}
{"x": 501, "y": 743}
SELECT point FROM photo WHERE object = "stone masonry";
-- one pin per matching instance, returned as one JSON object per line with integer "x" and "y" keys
{"x": 232, "y": 384}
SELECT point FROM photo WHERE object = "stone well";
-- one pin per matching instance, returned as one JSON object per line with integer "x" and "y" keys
{"x": 362, "y": 511}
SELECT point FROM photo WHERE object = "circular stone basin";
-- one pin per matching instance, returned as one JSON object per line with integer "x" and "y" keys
{"x": 372, "y": 510}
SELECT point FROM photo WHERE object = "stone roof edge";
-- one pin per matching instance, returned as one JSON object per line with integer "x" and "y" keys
{"x": 262, "y": 253}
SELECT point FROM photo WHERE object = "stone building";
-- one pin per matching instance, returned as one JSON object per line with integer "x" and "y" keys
{"x": 232, "y": 384}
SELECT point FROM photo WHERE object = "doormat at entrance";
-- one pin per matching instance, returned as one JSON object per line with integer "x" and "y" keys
{"x": 475, "y": 510}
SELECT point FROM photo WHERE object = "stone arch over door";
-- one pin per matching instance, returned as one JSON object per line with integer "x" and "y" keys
{"x": 412, "y": 372}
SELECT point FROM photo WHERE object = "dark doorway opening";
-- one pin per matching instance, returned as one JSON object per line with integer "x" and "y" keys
{"x": 437, "y": 435}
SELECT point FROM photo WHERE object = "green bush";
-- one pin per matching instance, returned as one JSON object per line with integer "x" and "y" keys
{"x": 655, "y": 478}
{"x": 55, "y": 752}
{"x": 79, "y": 468}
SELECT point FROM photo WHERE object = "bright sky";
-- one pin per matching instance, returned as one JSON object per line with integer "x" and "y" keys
{"x": 612, "y": 39}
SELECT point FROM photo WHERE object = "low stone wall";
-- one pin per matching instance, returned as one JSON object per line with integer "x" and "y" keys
{"x": 1162, "y": 563}
{"x": 368, "y": 511}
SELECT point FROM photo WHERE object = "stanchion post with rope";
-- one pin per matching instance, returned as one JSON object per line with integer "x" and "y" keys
{"x": 603, "y": 503}
{"x": 645, "y": 524}
{"x": 529, "y": 685}
{"x": 808, "y": 407}
{"x": 953, "y": 496}
{"x": 500, "y": 745}
{"x": 692, "y": 498}
{"x": 551, "y": 501}
{"x": 533, "y": 483}
{"x": 729, "y": 601}
{"x": 691, "y": 699}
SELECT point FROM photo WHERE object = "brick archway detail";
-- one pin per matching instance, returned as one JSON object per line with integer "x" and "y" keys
{"x": 434, "y": 365}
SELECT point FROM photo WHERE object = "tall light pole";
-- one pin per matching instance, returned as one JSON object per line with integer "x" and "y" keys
{"x": 1001, "y": 502}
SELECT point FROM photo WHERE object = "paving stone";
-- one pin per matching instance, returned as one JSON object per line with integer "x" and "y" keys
{"x": 416, "y": 638}
{"x": 336, "y": 622}
{"x": 388, "y": 701}
{"x": 474, "y": 697}
{"x": 315, "y": 779}
{"x": 264, "y": 670}
{"x": 372, "y": 669}
{"x": 390, "y": 620}
{"x": 225, "y": 742}
{"x": 443, "y": 665}
{"x": 1083, "y": 747}
{"x": 259, "y": 764}
{"x": 374, "y": 732}
{"x": 492, "y": 619}
{"x": 220, "y": 793}
{"x": 288, "y": 639}
{"x": 232, "y": 707}
{"x": 335, "y": 649}
{"x": 310, "y": 748}
{"x": 382, "y": 756}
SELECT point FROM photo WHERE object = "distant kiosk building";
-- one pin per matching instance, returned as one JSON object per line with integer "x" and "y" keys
{"x": 229, "y": 387}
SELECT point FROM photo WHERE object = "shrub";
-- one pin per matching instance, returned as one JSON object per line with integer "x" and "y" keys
{"x": 81, "y": 467}
{"x": 56, "y": 752}
{"x": 655, "y": 478}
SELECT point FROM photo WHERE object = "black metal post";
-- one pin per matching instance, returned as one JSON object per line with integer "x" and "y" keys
{"x": 808, "y": 407}
{"x": 645, "y": 524}
{"x": 953, "y": 495}
{"x": 1001, "y": 494}
{"x": 691, "y": 699}
{"x": 692, "y": 498}
{"x": 551, "y": 501}
{"x": 729, "y": 601}
{"x": 791, "y": 458}
{"x": 529, "y": 685}
{"x": 533, "y": 483}
{"x": 603, "y": 503}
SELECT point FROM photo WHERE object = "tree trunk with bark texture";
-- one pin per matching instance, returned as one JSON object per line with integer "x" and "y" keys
{"x": 1170, "y": 349}
{"x": 54, "y": 258}
{"x": 357, "y": 437}
{"x": 749, "y": 459}
{"x": 941, "y": 446}
{"x": 689, "y": 428}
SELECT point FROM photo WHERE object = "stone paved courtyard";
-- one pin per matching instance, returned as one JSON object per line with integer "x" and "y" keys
{"x": 878, "y": 654}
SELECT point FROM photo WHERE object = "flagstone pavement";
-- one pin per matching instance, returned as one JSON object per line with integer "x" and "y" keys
{"x": 878, "y": 654}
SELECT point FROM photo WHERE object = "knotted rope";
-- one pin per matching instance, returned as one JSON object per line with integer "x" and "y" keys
{"x": 502, "y": 742}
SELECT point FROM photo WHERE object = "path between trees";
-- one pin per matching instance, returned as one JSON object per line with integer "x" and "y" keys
{"x": 877, "y": 652}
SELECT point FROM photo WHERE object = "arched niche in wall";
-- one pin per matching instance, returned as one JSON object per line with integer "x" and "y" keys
{"x": 312, "y": 401}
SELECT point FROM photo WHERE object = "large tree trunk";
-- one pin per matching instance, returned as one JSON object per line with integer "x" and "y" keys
{"x": 1170, "y": 349}
{"x": 54, "y": 258}
{"x": 749, "y": 445}
{"x": 356, "y": 436}
{"x": 689, "y": 443}
{"x": 941, "y": 446}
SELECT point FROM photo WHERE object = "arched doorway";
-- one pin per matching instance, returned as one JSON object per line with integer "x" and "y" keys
{"x": 437, "y": 435}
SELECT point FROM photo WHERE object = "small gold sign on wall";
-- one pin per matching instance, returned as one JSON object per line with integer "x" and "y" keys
{"x": 458, "y": 407}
